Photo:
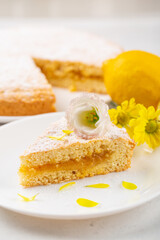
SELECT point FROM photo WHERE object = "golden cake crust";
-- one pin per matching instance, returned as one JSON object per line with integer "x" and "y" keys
{"x": 46, "y": 175}
{"x": 24, "y": 90}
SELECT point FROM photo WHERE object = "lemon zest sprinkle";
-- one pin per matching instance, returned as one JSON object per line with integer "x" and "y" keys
{"x": 128, "y": 185}
{"x": 28, "y": 199}
{"x": 98, "y": 185}
{"x": 67, "y": 185}
{"x": 56, "y": 138}
{"x": 86, "y": 202}
{"x": 66, "y": 132}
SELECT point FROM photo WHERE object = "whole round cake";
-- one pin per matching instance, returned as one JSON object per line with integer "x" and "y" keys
{"x": 66, "y": 58}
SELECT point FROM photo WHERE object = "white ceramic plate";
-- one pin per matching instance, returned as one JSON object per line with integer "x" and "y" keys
{"x": 14, "y": 138}
{"x": 63, "y": 97}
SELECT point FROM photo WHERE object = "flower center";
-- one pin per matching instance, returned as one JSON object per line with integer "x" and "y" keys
{"x": 89, "y": 118}
{"x": 122, "y": 118}
{"x": 151, "y": 126}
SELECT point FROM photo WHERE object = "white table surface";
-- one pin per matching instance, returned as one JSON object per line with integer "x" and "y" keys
{"x": 137, "y": 224}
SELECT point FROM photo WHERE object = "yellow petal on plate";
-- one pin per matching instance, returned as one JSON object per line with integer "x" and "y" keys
{"x": 26, "y": 199}
{"x": 67, "y": 132}
{"x": 128, "y": 185}
{"x": 98, "y": 185}
{"x": 56, "y": 138}
{"x": 86, "y": 202}
{"x": 67, "y": 185}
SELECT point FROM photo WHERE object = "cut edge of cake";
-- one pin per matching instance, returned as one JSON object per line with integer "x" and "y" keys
{"x": 75, "y": 76}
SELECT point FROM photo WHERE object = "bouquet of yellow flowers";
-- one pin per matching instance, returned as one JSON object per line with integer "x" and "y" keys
{"x": 141, "y": 123}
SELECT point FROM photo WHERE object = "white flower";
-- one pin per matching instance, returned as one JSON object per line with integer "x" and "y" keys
{"x": 88, "y": 116}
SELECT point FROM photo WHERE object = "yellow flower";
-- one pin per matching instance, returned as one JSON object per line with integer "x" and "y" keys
{"x": 146, "y": 128}
{"x": 124, "y": 113}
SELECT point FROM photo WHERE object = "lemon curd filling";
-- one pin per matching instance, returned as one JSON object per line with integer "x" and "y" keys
{"x": 74, "y": 70}
{"x": 72, "y": 165}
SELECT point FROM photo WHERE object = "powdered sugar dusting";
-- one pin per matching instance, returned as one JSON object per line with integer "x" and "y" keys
{"x": 58, "y": 44}
{"x": 20, "y": 74}
{"x": 44, "y": 143}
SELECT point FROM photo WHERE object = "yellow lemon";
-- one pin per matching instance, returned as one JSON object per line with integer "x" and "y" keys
{"x": 133, "y": 74}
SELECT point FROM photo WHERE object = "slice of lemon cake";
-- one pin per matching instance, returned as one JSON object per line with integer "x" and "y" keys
{"x": 24, "y": 90}
{"x": 82, "y": 144}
